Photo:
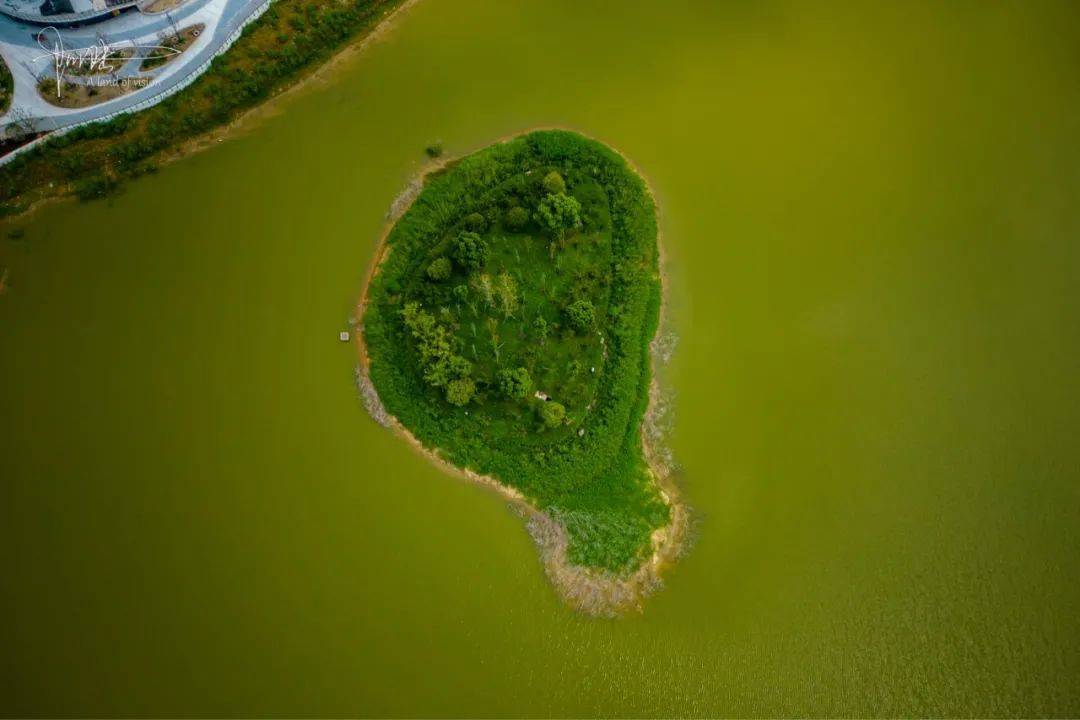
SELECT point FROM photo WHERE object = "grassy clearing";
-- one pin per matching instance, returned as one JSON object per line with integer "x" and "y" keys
{"x": 291, "y": 37}
{"x": 509, "y": 326}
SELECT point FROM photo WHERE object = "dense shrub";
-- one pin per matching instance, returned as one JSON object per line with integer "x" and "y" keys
{"x": 581, "y": 315}
{"x": 559, "y": 213}
{"x": 470, "y": 250}
{"x": 554, "y": 184}
{"x": 439, "y": 269}
{"x": 515, "y": 384}
{"x": 552, "y": 414}
{"x": 475, "y": 222}
{"x": 517, "y": 218}
{"x": 460, "y": 391}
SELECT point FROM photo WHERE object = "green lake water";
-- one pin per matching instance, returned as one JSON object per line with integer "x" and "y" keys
{"x": 872, "y": 218}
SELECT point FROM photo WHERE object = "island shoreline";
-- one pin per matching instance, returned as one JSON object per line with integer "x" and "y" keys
{"x": 587, "y": 590}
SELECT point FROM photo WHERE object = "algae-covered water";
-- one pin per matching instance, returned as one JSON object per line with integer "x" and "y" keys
{"x": 871, "y": 213}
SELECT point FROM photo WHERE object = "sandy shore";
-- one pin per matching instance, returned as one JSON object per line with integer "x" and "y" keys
{"x": 590, "y": 591}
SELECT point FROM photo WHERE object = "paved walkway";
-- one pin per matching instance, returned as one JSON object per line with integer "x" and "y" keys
{"x": 28, "y": 62}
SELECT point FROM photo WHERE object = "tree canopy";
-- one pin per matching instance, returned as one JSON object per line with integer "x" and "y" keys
{"x": 517, "y": 218}
{"x": 516, "y": 384}
{"x": 554, "y": 184}
{"x": 439, "y": 268}
{"x": 470, "y": 250}
{"x": 552, "y": 413}
{"x": 558, "y": 213}
{"x": 581, "y": 315}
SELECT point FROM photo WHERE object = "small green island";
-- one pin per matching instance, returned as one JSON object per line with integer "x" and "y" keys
{"x": 507, "y": 329}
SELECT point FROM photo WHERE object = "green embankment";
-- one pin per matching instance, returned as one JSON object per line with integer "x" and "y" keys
{"x": 509, "y": 327}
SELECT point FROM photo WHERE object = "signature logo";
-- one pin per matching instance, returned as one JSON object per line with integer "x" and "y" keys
{"x": 101, "y": 58}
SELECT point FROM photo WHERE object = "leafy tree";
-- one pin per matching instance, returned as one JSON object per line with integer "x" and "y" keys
{"x": 541, "y": 327}
{"x": 470, "y": 250}
{"x": 553, "y": 183}
{"x": 434, "y": 342}
{"x": 516, "y": 384}
{"x": 433, "y": 339}
{"x": 517, "y": 218}
{"x": 581, "y": 315}
{"x": 459, "y": 392}
{"x": 481, "y": 283}
{"x": 475, "y": 222}
{"x": 558, "y": 213}
{"x": 461, "y": 293}
{"x": 552, "y": 414}
{"x": 459, "y": 366}
{"x": 443, "y": 370}
{"x": 416, "y": 318}
{"x": 439, "y": 269}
